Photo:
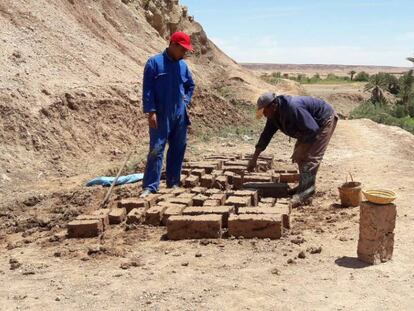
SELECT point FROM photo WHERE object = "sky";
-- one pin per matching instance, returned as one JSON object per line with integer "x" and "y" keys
{"x": 349, "y": 32}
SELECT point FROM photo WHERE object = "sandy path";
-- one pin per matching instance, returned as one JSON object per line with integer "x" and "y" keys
{"x": 237, "y": 274}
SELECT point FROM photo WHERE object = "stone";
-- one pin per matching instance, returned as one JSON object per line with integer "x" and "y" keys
{"x": 376, "y": 232}
{"x": 117, "y": 215}
{"x": 131, "y": 203}
{"x": 255, "y": 226}
{"x": 135, "y": 216}
{"x": 172, "y": 210}
{"x": 224, "y": 211}
{"x": 86, "y": 228}
{"x": 154, "y": 215}
{"x": 194, "y": 227}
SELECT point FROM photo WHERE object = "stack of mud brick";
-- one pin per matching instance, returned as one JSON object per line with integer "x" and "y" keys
{"x": 213, "y": 202}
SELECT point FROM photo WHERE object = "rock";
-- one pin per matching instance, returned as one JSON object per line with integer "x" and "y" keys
{"x": 14, "y": 264}
{"x": 291, "y": 261}
{"x": 185, "y": 264}
{"x": 198, "y": 254}
{"x": 275, "y": 271}
{"x": 125, "y": 265}
{"x": 302, "y": 255}
{"x": 314, "y": 250}
{"x": 299, "y": 240}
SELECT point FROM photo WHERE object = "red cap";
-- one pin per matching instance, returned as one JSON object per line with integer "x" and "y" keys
{"x": 182, "y": 39}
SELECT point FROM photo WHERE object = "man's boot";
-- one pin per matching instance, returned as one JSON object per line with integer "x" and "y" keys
{"x": 306, "y": 188}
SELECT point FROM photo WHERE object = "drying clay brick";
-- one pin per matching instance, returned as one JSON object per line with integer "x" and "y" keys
{"x": 211, "y": 202}
{"x": 221, "y": 197}
{"x": 212, "y": 191}
{"x": 207, "y": 181}
{"x": 255, "y": 226}
{"x": 191, "y": 181}
{"x": 135, "y": 216}
{"x": 178, "y": 191}
{"x": 152, "y": 199}
{"x": 183, "y": 201}
{"x": 221, "y": 182}
{"x": 199, "y": 172}
{"x": 84, "y": 228}
{"x": 224, "y": 211}
{"x": 102, "y": 217}
{"x": 154, "y": 215}
{"x": 186, "y": 195}
{"x": 289, "y": 177}
{"x": 198, "y": 190}
{"x": 172, "y": 210}
{"x": 165, "y": 197}
{"x": 229, "y": 176}
{"x": 253, "y": 194}
{"x": 162, "y": 191}
{"x": 131, "y": 203}
{"x": 238, "y": 202}
{"x": 256, "y": 178}
{"x": 237, "y": 181}
{"x": 117, "y": 215}
{"x": 199, "y": 200}
{"x": 194, "y": 227}
{"x": 270, "y": 201}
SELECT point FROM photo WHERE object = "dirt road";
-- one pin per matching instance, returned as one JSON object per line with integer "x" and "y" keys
{"x": 56, "y": 273}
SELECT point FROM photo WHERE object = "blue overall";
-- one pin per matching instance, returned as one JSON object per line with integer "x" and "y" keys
{"x": 167, "y": 90}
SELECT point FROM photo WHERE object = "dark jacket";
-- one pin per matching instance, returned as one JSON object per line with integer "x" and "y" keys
{"x": 299, "y": 117}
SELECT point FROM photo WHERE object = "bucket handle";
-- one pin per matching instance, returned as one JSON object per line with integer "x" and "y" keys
{"x": 346, "y": 178}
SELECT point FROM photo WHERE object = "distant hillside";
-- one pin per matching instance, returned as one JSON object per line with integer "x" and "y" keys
{"x": 321, "y": 69}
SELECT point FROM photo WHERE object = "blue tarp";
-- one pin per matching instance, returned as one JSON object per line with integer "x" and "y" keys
{"x": 107, "y": 181}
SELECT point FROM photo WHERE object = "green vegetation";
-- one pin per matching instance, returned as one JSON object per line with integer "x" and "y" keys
{"x": 378, "y": 109}
{"x": 276, "y": 77}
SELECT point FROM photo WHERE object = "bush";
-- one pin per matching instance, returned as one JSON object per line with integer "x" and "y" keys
{"x": 399, "y": 111}
{"x": 362, "y": 77}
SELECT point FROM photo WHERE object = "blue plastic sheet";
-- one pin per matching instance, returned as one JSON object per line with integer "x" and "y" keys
{"x": 122, "y": 180}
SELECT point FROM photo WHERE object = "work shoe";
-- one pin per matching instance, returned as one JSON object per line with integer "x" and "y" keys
{"x": 305, "y": 190}
{"x": 174, "y": 187}
{"x": 145, "y": 193}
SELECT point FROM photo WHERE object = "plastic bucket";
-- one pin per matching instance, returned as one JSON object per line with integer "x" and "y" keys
{"x": 350, "y": 194}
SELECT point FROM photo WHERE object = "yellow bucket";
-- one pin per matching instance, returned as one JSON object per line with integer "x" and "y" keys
{"x": 379, "y": 196}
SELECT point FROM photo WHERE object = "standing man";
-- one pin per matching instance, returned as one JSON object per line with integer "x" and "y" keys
{"x": 311, "y": 121}
{"x": 167, "y": 90}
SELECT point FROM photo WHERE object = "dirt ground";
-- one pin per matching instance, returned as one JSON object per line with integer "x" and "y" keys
{"x": 137, "y": 270}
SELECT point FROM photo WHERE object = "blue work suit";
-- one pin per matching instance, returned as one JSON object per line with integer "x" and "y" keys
{"x": 167, "y": 90}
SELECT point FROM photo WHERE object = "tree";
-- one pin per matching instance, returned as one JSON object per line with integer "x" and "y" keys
{"x": 376, "y": 85}
{"x": 352, "y": 73}
{"x": 362, "y": 76}
{"x": 393, "y": 85}
{"x": 407, "y": 88}
{"x": 411, "y": 59}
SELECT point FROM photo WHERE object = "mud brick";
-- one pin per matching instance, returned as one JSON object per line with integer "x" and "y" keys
{"x": 104, "y": 219}
{"x": 207, "y": 166}
{"x": 240, "y": 163}
{"x": 256, "y": 178}
{"x": 217, "y": 173}
{"x": 211, "y": 202}
{"x": 292, "y": 171}
{"x": 253, "y": 194}
{"x": 136, "y": 216}
{"x": 117, "y": 215}
{"x": 85, "y": 228}
{"x": 376, "y": 232}
{"x": 237, "y": 181}
{"x": 165, "y": 197}
{"x": 224, "y": 211}
{"x": 198, "y": 190}
{"x": 256, "y": 226}
{"x": 103, "y": 214}
{"x": 283, "y": 214}
{"x": 131, "y": 203}
{"x": 152, "y": 199}
{"x": 187, "y": 195}
{"x": 289, "y": 177}
{"x": 229, "y": 176}
{"x": 283, "y": 201}
{"x": 163, "y": 191}
{"x": 221, "y": 197}
{"x": 239, "y": 170}
{"x": 210, "y": 192}
{"x": 172, "y": 210}
{"x": 238, "y": 202}
{"x": 207, "y": 181}
{"x": 186, "y": 171}
{"x": 199, "y": 172}
{"x": 183, "y": 201}
{"x": 154, "y": 215}
{"x": 263, "y": 165}
{"x": 191, "y": 181}
{"x": 269, "y": 189}
{"x": 221, "y": 182}
{"x": 264, "y": 205}
{"x": 194, "y": 227}
{"x": 280, "y": 171}
{"x": 270, "y": 201}
{"x": 285, "y": 210}
{"x": 178, "y": 191}
{"x": 199, "y": 200}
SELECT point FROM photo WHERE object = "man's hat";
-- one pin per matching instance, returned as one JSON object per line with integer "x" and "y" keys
{"x": 182, "y": 39}
{"x": 263, "y": 101}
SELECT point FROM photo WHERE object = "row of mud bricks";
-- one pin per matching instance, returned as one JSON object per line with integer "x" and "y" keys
{"x": 214, "y": 201}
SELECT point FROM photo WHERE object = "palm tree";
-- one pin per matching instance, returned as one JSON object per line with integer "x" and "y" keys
{"x": 352, "y": 73}
{"x": 407, "y": 88}
{"x": 376, "y": 85}
{"x": 411, "y": 59}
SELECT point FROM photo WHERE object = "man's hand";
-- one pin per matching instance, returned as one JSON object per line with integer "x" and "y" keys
{"x": 152, "y": 120}
{"x": 252, "y": 165}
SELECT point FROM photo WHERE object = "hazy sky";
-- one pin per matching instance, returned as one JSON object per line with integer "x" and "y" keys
{"x": 366, "y": 32}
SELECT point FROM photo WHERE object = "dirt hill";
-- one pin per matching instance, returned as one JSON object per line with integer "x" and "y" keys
{"x": 71, "y": 81}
